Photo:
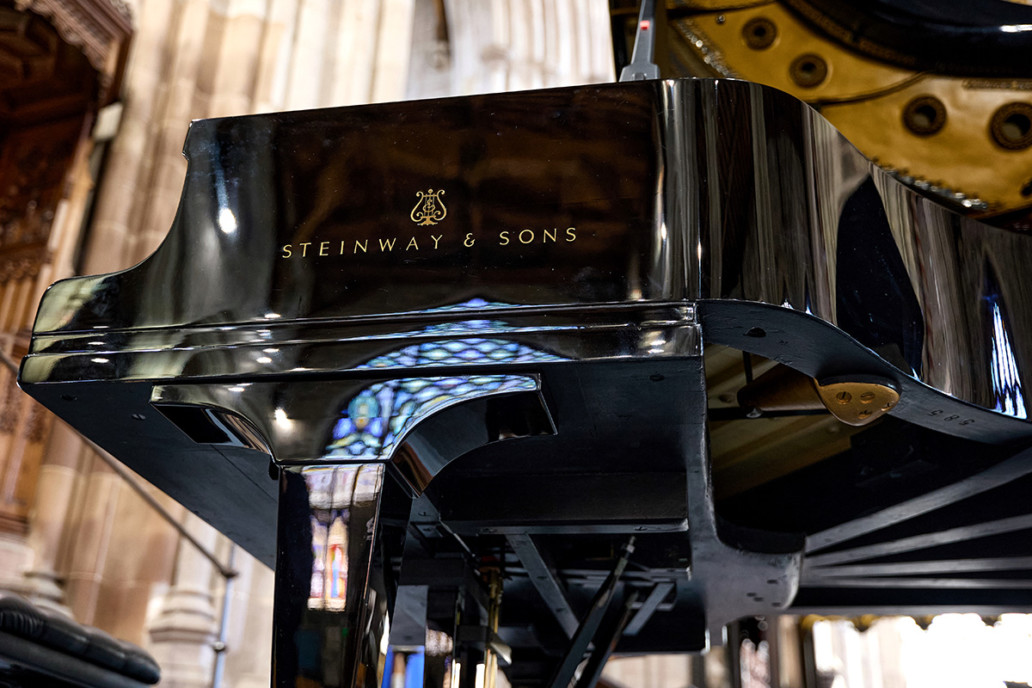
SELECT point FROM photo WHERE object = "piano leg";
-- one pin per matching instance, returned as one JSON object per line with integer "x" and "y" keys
{"x": 330, "y": 618}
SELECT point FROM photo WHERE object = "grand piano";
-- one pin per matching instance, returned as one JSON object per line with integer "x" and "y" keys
{"x": 450, "y": 366}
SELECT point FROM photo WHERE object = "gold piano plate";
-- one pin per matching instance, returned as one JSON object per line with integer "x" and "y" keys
{"x": 857, "y": 402}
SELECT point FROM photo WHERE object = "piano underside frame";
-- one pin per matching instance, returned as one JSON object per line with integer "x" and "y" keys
{"x": 894, "y": 518}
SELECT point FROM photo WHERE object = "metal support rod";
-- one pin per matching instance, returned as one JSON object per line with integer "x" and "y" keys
{"x": 733, "y": 654}
{"x": 1002, "y": 473}
{"x": 589, "y": 625}
{"x": 605, "y": 645}
{"x": 220, "y": 640}
{"x": 544, "y": 580}
{"x": 747, "y": 367}
{"x": 923, "y": 541}
{"x": 642, "y": 66}
{"x": 226, "y": 572}
{"x": 494, "y": 586}
{"x": 648, "y": 608}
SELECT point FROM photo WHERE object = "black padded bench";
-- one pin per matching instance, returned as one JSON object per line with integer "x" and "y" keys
{"x": 39, "y": 647}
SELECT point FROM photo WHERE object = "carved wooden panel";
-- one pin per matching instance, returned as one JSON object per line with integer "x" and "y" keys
{"x": 34, "y": 162}
{"x": 24, "y": 429}
{"x": 60, "y": 61}
{"x": 99, "y": 29}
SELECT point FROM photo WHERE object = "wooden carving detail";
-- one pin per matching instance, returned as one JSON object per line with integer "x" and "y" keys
{"x": 33, "y": 165}
{"x": 60, "y": 61}
{"x": 99, "y": 28}
{"x": 10, "y": 399}
{"x": 24, "y": 429}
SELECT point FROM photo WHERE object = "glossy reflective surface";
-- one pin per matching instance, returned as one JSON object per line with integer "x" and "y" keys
{"x": 650, "y": 195}
{"x": 817, "y": 228}
{"x": 953, "y": 36}
{"x": 331, "y": 604}
{"x": 380, "y": 415}
{"x": 310, "y": 210}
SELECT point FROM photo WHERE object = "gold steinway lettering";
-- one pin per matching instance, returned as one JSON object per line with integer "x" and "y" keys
{"x": 529, "y": 236}
{"x": 505, "y": 237}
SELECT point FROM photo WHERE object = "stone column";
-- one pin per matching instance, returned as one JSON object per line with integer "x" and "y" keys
{"x": 57, "y": 481}
{"x": 717, "y": 669}
{"x": 656, "y": 671}
{"x": 127, "y": 167}
{"x": 184, "y": 631}
{"x": 249, "y": 632}
{"x": 90, "y": 534}
{"x": 789, "y": 652}
{"x": 520, "y": 44}
{"x": 390, "y": 68}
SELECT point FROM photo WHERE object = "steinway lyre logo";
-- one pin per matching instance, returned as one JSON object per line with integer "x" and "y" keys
{"x": 429, "y": 209}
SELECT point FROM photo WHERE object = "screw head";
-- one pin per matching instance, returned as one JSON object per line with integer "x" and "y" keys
{"x": 808, "y": 71}
{"x": 759, "y": 33}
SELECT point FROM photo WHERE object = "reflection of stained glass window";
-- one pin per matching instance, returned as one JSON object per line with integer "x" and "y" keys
{"x": 461, "y": 352}
{"x": 472, "y": 304}
{"x": 319, "y": 561}
{"x": 379, "y": 416}
{"x": 333, "y": 493}
{"x": 337, "y": 581}
{"x": 1003, "y": 366}
{"x": 401, "y": 403}
{"x": 329, "y": 582}
{"x": 1003, "y": 369}
{"x": 466, "y": 350}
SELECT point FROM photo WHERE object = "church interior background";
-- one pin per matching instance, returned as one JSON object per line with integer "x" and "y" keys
{"x": 95, "y": 100}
